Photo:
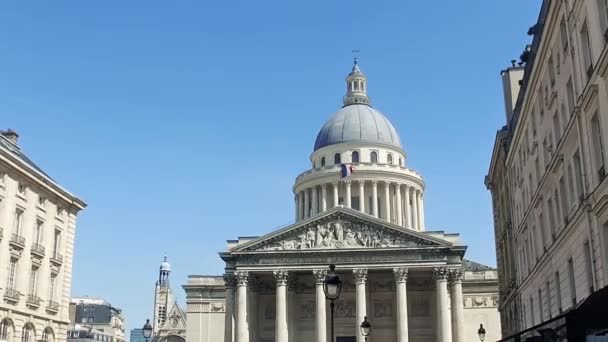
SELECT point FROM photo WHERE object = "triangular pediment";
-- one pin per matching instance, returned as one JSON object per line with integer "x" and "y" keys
{"x": 176, "y": 320}
{"x": 340, "y": 228}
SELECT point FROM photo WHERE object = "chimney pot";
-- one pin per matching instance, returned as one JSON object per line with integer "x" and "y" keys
{"x": 10, "y": 135}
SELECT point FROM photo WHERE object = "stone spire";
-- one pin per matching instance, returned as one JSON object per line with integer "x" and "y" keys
{"x": 356, "y": 87}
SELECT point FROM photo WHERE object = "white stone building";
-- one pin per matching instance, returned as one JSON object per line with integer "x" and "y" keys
{"x": 169, "y": 323}
{"x": 412, "y": 284}
{"x": 37, "y": 227}
{"x": 548, "y": 176}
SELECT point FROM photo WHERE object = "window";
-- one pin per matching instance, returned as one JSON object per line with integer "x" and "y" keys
{"x": 558, "y": 292}
{"x": 571, "y": 99}
{"x": 5, "y": 325}
{"x": 355, "y": 157}
{"x": 548, "y": 299}
{"x": 532, "y": 310}
{"x": 17, "y": 221}
{"x": 587, "y": 54}
{"x": 11, "y": 282}
{"x": 571, "y": 185}
{"x": 558, "y": 219}
{"x": 597, "y": 146}
{"x": 389, "y": 158}
{"x": 33, "y": 281}
{"x": 21, "y": 189}
{"x": 572, "y": 281}
{"x": 41, "y": 201}
{"x": 564, "y": 200}
{"x": 538, "y": 175}
{"x": 543, "y": 230}
{"x": 551, "y": 67}
{"x": 52, "y": 283}
{"x": 374, "y": 157}
{"x": 546, "y": 155}
{"x": 337, "y": 158}
{"x": 38, "y": 232}
{"x": 563, "y": 33}
{"x": 27, "y": 334}
{"x": 557, "y": 130}
{"x": 400, "y": 162}
{"x": 356, "y": 85}
{"x": 57, "y": 243}
{"x": 533, "y": 120}
{"x": 588, "y": 265}
{"x": 578, "y": 173}
{"x": 551, "y": 218}
{"x": 322, "y": 161}
{"x": 603, "y": 12}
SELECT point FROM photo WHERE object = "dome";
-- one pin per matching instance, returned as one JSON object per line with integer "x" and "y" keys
{"x": 357, "y": 123}
{"x": 165, "y": 266}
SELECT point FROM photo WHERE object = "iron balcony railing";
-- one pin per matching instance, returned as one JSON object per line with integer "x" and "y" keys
{"x": 38, "y": 248}
{"x": 33, "y": 300}
{"x": 12, "y": 294}
{"x": 18, "y": 240}
{"x": 52, "y": 306}
{"x": 57, "y": 258}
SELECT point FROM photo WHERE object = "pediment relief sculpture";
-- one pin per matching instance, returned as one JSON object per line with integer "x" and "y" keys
{"x": 340, "y": 234}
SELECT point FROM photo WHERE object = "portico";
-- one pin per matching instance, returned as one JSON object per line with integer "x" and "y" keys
{"x": 400, "y": 279}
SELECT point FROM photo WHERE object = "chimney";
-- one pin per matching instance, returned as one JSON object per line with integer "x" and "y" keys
{"x": 10, "y": 135}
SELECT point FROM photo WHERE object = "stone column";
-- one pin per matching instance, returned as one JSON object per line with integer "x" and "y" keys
{"x": 306, "y": 204}
{"x": 281, "y": 332}
{"x": 321, "y": 318}
{"x": 457, "y": 306}
{"x": 421, "y": 211}
{"x": 375, "y": 198}
{"x": 301, "y": 206}
{"x": 229, "y": 323}
{"x": 336, "y": 194}
{"x": 242, "y": 319}
{"x": 408, "y": 211}
{"x": 440, "y": 275}
{"x": 399, "y": 204}
{"x": 414, "y": 210}
{"x": 387, "y": 201}
{"x": 402, "y": 327}
{"x": 360, "y": 275}
{"x": 291, "y": 307}
{"x": 362, "y": 196}
{"x": 347, "y": 194}
{"x": 296, "y": 198}
{"x": 323, "y": 197}
{"x": 315, "y": 201}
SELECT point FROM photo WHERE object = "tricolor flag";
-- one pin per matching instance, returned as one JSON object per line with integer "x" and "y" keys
{"x": 347, "y": 170}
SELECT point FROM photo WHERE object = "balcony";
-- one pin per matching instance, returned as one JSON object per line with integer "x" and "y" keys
{"x": 38, "y": 250}
{"x": 33, "y": 301}
{"x": 12, "y": 295}
{"x": 17, "y": 241}
{"x": 57, "y": 259}
{"x": 52, "y": 307}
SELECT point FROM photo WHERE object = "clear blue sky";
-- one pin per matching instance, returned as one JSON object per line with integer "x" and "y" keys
{"x": 184, "y": 124}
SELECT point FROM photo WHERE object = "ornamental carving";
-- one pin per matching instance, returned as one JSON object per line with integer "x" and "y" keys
{"x": 345, "y": 309}
{"x": 360, "y": 275}
{"x": 400, "y": 274}
{"x": 383, "y": 309}
{"x": 440, "y": 274}
{"x": 319, "y": 276}
{"x": 338, "y": 234}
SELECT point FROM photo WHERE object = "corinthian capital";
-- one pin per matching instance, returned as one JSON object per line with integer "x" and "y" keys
{"x": 319, "y": 276}
{"x": 360, "y": 275}
{"x": 440, "y": 274}
{"x": 400, "y": 274}
{"x": 242, "y": 278}
{"x": 280, "y": 277}
{"x": 230, "y": 280}
{"x": 455, "y": 275}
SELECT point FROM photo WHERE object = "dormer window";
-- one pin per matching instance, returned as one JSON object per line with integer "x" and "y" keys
{"x": 21, "y": 189}
{"x": 337, "y": 159}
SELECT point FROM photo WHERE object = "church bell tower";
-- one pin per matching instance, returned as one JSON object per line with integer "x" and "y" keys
{"x": 163, "y": 296}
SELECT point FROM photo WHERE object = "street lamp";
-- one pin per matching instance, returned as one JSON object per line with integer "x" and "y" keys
{"x": 366, "y": 328}
{"x": 482, "y": 333}
{"x": 147, "y": 330}
{"x": 332, "y": 286}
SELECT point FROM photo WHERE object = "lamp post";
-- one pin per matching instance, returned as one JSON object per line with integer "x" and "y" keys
{"x": 147, "y": 330}
{"x": 482, "y": 333}
{"x": 366, "y": 328}
{"x": 332, "y": 286}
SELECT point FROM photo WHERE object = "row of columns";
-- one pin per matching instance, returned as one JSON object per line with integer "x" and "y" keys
{"x": 449, "y": 327}
{"x": 405, "y": 200}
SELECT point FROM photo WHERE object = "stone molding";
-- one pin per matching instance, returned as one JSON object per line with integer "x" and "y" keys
{"x": 319, "y": 276}
{"x": 242, "y": 278}
{"x": 400, "y": 274}
{"x": 440, "y": 274}
{"x": 280, "y": 277}
{"x": 360, "y": 275}
{"x": 455, "y": 275}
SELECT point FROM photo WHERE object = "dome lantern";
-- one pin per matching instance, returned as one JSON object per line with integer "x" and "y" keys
{"x": 356, "y": 87}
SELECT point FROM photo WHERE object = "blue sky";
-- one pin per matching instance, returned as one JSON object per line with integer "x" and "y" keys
{"x": 185, "y": 124}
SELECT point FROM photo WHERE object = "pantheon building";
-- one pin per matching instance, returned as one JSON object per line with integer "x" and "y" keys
{"x": 361, "y": 208}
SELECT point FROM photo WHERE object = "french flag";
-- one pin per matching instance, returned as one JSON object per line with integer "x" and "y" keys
{"x": 347, "y": 170}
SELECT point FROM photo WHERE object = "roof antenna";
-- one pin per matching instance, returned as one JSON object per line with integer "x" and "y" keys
{"x": 355, "y": 55}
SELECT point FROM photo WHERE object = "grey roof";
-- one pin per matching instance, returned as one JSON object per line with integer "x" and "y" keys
{"x": 357, "y": 123}
{"x": 469, "y": 265}
{"x": 17, "y": 153}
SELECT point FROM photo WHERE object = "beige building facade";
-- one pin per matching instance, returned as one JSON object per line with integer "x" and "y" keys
{"x": 547, "y": 175}
{"x": 37, "y": 228}
{"x": 361, "y": 208}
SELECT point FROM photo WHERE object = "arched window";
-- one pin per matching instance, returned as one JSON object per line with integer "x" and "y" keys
{"x": 28, "y": 334}
{"x": 6, "y": 329}
{"x": 389, "y": 158}
{"x": 362, "y": 86}
{"x": 47, "y": 335}
{"x": 322, "y": 161}
{"x": 355, "y": 157}
{"x": 314, "y": 164}
{"x": 400, "y": 161}
{"x": 373, "y": 157}
{"x": 337, "y": 158}
{"x": 356, "y": 85}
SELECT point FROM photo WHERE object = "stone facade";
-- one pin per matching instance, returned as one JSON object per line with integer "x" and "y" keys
{"x": 547, "y": 175}
{"x": 37, "y": 228}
